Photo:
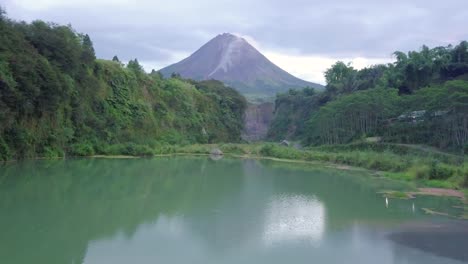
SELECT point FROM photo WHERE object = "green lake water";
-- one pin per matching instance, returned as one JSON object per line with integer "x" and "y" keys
{"x": 197, "y": 210}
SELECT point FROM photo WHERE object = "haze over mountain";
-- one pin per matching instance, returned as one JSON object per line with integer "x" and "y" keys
{"x": 232, "y": 60}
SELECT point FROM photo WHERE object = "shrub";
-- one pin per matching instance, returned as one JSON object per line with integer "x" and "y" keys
{"x": 4, "y": 150}
{"x": 164, "y": 149}
{"x": 136, "y": 150}
{"x": 465, "y": 181}
{"x": 464, "y": 174}
{"x": 440, "y": 184}
{"x": 267, "y": 150}
{"x": 420, "y": 171}
{"x": 51, "y": 152}
{"x": 81, "y": 149}
{"x": 440, "y": 171}
{"x": 233, "y": 148}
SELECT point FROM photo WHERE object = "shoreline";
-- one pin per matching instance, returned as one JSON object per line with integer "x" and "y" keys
{"x": 461, "y": 194}
{"x": 426, "y": 190}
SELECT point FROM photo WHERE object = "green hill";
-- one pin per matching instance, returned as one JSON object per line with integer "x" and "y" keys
{"x": 421, "y": 98}
{"x": 56, "y": 98}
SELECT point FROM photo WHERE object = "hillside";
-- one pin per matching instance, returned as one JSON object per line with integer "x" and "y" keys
{"x": 56, "y": 99}
{"x": 421, "y": 98}
{"x": 234, "y": 61}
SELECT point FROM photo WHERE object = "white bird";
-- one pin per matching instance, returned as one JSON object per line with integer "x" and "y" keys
{"x": 386, "y": 202}
{"x": 413, "y": 207}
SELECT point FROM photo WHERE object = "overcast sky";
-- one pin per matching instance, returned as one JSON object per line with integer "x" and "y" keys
{"x": 303, "y": 37}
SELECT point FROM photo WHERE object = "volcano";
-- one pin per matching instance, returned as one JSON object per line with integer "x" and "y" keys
{"x": 232, "y": 60}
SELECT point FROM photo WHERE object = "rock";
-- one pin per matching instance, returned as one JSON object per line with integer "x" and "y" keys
{"x": 285, "y": 143}
{"x": 216, "y": 152}
{"x": 373, "y": 139}
{"x": 216, "y": 157}
{"x": 257, "y": 120}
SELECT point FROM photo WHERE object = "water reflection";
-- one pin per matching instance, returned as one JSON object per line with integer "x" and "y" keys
{"x": 195, "y": 210}
{"x": 294, "y": 217}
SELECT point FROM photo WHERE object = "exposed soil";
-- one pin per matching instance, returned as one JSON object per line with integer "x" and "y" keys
{"x": 439, "y": 192}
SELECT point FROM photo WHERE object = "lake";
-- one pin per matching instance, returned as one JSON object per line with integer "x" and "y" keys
{"x": 198, "y": 210}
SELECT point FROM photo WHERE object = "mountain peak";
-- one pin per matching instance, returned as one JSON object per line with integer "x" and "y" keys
{"x": 232, "y": 60}
{"x": 227, "y": 35}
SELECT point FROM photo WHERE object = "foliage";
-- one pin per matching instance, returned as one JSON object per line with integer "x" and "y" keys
{"x": 291, "y": 111}
{"x": 421, "y": 98}
{"x": 81, "y": 149}
{"x": 450, "y": 173}
{"x": 56, "y": 97}
{"x": 4, "y": 150}
{"x": 350, "y": 117}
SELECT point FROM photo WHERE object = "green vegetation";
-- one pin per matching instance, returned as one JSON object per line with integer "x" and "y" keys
{"x": 400, "y": 162}
{"x": 421, "y": 98}
{"x": 57, "y": 99}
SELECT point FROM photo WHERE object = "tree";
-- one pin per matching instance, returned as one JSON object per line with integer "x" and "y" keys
{"x": 176, "y": 75}
{"x": 460, "y": 53}
{"x": 116, "y": 59}
{"x": 88, "y": 55}
{"x": 2, "y": 14}
{"x": 157, "y": 74}
{"x": 135, "y": 66}
{"x": 341, "y": 78}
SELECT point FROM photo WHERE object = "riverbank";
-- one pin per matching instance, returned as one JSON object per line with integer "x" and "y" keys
{"x": 422, "y": 167}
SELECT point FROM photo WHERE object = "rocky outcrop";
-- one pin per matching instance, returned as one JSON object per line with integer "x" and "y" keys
{"x": 216, "y": 152}
{"x": 257, "y": 121}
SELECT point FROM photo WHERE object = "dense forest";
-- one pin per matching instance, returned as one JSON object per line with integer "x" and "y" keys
{"x": 421, "y": 98}
{"x": 56, "y": 98}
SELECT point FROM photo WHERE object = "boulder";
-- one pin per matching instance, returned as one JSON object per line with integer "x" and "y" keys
{"x": 216, "y": 152}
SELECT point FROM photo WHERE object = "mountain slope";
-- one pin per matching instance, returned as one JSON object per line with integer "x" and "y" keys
{"x": 235, "y": 62}
{"x": 56, "y": 98}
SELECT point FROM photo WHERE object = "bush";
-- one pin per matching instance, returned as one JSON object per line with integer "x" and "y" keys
{"x": 440, "y": 171}
{"x": 440, "y": 184}
{"x": 233, "y": 149}
{"x": 81, "y": 149}
{"x": 194, "y": 149}
{"x": 4, "y": 150}
{"x": 51, "y": 152}
{"x": 136, "y": 150}
{"x": 464, "y": 174}
{"x": 420, "y": 171}
{"x": 164, "y": 149}
{"x": 267, "y": 150}
{"x": 465, "y": 181}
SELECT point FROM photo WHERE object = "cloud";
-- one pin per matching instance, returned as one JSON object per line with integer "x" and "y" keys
{"x": 312, "y": 67}
{"x": 302, "y": 36}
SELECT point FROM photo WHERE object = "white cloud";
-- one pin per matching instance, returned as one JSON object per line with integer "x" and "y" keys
{"x": 304, "y": 37}
{"x": 312, "y": 67}
{"x": 175, "y": 56}
{"x": 38, "y": 5}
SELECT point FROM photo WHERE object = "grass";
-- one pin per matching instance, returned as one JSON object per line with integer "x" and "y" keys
{"x": 441, "y": 184}
{"x": 396, "y": 194}
{"x": 430, "y": 169}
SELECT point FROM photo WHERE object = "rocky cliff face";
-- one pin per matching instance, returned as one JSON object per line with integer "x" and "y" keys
{"x": 257, "y": 121}
{"x": 235, "y": 62}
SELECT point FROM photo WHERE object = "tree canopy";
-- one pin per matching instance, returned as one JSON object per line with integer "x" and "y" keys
{"x": 428, "y": 87}
{"x": 56, "y": 98}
